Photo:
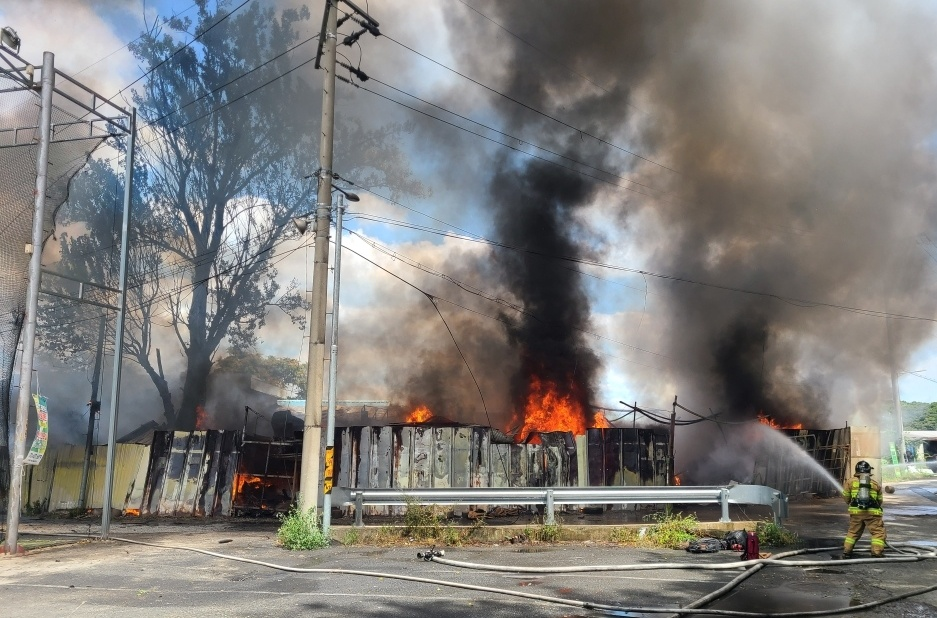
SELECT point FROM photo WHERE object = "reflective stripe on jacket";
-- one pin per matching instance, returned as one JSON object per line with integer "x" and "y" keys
{"x": 851, "y": 493}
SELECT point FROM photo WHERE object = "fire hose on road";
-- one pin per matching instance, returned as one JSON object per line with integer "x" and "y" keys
{"x": 910, "y": 553}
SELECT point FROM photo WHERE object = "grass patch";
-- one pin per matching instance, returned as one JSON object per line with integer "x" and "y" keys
{"x": 546, "y": 533}
{"x": 301, "y": 530}
{"x": 351, "y": 538}
{"x": 667, "y": 530}
{"x": 773, "y": 535}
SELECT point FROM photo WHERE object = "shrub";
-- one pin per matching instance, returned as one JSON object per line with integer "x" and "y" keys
{"x": 673, "y": 530}
{"x": 299, "y": 530}
{"x": 421, "y": 521}
{"x": 773, "y": 535}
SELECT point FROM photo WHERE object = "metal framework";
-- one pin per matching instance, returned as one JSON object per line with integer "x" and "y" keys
{"x": 549, "y": 497}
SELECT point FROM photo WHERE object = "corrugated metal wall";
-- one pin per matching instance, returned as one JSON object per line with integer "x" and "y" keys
{"x": 425, "y": 456}
{"x": 189, "y": 473}
{"x": 777, "y": 466}
{"x": 56, "y": 481}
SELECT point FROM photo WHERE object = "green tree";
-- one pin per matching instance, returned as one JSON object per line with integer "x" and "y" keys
{"x": 228, "y": 141}
{"x": 926, "y": 422}
{"x": 284, "y": 372}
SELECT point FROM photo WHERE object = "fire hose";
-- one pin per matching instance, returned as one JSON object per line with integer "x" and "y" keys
{"x": 751, "y": 566}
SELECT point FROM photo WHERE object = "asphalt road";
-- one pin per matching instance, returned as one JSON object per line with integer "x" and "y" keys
{"x": 113, "y": 578}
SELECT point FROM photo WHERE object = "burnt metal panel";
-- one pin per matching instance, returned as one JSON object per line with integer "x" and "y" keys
{"x": 501, "y": 465}
{"x": 461, "y": 457}
{"x": 479, "y": 463}
{"x": 363, "y": 467}
{"x": 518, "y": 466}
{"x": 421, "y": 470}
{"x": 442, "y": 456}
{"x": 595, "y": 457}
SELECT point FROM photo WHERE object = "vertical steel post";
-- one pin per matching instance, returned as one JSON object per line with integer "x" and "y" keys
{"x": 328, "y": 476}
{"x": 119, "y": 331}
{"x": 673, "y": 432}
{"x": 312, "y": 423}
{"x": 93, "y": 407}
{"x": 724, "y": 501}
{"x": 14, "y": 502}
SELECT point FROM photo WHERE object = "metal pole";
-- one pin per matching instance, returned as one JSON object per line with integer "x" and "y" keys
{"x": 899, "y": 418}
{"x": 94, "y": 406}
{"x": 312, "y": 424}
{"x": 119, "y": 331}
{"x": 14, "y": 502}
{"x": 673, "y": 432}
{"x": 327, "y": 480}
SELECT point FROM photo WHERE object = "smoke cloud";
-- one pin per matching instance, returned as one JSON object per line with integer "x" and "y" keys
{"x": 787, "y": 159}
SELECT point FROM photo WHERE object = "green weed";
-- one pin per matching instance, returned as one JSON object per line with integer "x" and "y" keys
{"x": 773, "y": 535}
{"x": 299, "y": 530}
{"x": 351, "y": 538}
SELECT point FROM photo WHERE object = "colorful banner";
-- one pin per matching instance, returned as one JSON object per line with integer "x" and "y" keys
{"x": 38, "y": 449}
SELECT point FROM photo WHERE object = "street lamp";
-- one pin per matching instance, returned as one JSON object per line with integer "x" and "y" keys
{"x": 10, "y": 39}
{"x": 302, "y": 223}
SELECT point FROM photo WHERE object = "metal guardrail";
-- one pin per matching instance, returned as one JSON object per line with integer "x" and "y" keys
{"x": 550, "y": 497}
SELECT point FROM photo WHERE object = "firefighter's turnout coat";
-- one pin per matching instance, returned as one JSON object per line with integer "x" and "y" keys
{"x": 860, "y": 518}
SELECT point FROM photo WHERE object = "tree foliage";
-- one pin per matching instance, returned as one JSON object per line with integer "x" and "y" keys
{"x": 228, "y": 142}
{"x": 926, "y": 422}
{"x": 286, "y": 373}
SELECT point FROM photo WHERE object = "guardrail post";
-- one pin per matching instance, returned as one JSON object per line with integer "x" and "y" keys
{"x": 776, "y": 507}
{"x": 359, "y": 510}
{"x": 724, "y": 500}
{"x": 548, "y": 515}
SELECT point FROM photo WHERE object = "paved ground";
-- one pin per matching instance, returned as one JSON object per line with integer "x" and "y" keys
{"x": 114, "y": 578}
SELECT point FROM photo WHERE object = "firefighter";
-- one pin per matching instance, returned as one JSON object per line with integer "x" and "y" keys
{"x": 864, "y": 497}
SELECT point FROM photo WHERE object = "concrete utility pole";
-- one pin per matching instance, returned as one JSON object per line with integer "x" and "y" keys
{"x": 14, "y": 503}
{"x": 899, "y": 416}
{"x": 312, "y": 425}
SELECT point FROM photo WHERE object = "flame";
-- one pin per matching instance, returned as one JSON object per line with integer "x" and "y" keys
{"x": 677, "y": 480}
{"x": 773, "y": 424}
{"x": 240, "y": 480}
{"x": 134, "y": 512}
{"x": 201, "y": 418}
{"x": 420, "y": 414}
{"x": 549, "y": 409}
{"x": 600, "y": 422}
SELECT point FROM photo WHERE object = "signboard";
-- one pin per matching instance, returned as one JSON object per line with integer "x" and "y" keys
{"x": 328, "y": 474}
{"x": 38, "y": 449}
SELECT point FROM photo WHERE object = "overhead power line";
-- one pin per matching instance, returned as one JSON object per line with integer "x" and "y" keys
{"x": 531, "y": 108}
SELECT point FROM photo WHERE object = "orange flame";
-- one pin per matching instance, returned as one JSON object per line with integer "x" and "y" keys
{"x": 201, "y": 418}
{"x": 677, "y": 480}
{"x": 773, "y": 424}
{"x": 600, "y": 422}
{"x": 548, "y": 409}
{"x": 240, "y": 480}
{"x": 420, "y": 414}
{"x": 133, "y": 512}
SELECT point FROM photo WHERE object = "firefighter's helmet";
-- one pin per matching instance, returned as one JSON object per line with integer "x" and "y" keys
{"x": 863, "y": 467}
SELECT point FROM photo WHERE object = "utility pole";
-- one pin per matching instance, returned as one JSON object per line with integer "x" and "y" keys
{"x": 309, "y": 483}
{"x": 328, "y": 480}
{"x": 94, "y": 406}
{"x": 899, "y": 417}
{"x": 312, "y": 424}
{"x": 14, "y": 503}
{"x": 673, "y": 434}
{"x": 119, "y": 330}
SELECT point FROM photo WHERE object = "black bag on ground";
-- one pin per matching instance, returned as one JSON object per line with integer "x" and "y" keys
{"x": 705, "y": 545}
{"x": 737, "y": 540}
